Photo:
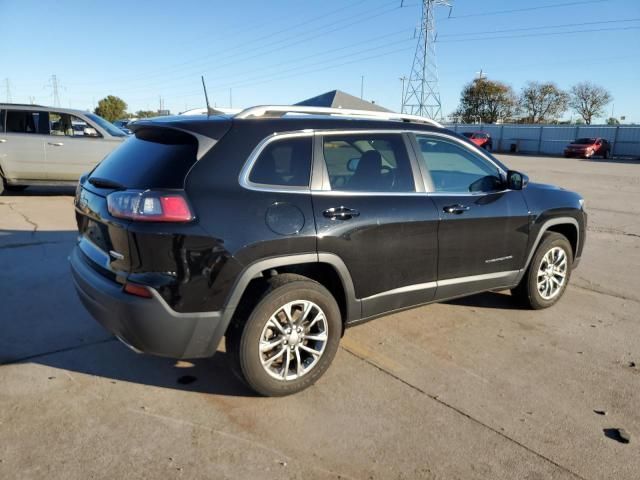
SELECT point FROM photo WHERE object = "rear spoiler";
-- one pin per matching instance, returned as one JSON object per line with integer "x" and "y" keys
{"x": 206, "y": 132}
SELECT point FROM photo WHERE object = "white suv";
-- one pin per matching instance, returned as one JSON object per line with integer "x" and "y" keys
{"x": 51, "y": 146}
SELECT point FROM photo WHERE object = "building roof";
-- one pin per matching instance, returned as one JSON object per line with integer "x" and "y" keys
{"x": 340, "y": 99}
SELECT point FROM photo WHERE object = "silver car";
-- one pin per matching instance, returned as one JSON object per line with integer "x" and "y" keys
{"x": 51, "y": 146}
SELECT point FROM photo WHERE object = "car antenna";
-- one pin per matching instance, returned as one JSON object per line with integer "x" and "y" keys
{"x": 206, "y": 97}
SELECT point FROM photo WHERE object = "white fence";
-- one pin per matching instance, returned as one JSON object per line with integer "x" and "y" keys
{"x": 551, "y": 139}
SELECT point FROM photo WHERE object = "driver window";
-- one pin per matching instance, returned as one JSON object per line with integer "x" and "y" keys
{"x": 455, "y": 169}
{"x": 368, "y": 162}
{"x": 64, "y": 124}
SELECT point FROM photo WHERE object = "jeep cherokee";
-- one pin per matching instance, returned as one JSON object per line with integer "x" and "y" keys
{"x": 279, "y": 227}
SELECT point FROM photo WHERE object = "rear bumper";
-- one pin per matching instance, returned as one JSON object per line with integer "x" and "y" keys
{"x": 147, "y": 325}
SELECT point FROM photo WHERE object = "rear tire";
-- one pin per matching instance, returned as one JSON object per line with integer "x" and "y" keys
{"x": 303, "y": 345}
{"x": 547, "y": 277}
{"x": 605, "y": 155}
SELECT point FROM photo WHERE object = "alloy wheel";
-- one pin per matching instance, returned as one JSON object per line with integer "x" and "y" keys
{"x": 552, "y": 273}
{"x": 293, "y": 340}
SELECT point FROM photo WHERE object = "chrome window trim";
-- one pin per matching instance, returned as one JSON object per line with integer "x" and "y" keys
{"x": 245, "y": 173}
{"x": 243, "y": 178}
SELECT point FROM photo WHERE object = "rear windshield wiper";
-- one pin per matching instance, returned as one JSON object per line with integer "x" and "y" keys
{"x": 106, "y": 183}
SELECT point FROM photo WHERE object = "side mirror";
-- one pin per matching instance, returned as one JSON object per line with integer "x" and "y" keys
{"x": 516, "y": 180}
{"x": 90, "y": 132}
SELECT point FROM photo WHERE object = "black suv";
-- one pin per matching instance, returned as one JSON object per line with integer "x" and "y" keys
{"x": 280, "y": 226}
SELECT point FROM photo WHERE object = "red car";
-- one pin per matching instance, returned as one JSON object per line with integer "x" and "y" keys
{"x": 588, "y": 147}
{"x": 481, "y": 139}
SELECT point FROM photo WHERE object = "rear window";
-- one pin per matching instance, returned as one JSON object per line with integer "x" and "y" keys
{"x": 153, "y": 158}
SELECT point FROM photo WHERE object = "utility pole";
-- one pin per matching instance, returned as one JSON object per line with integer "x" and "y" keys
{"x": 231, "y": 98}
{"x": 361, "y": 86}
{"x": 422, "y": 96}
{"x": 481, "y": 74}
{"x": 402, "y": 79}
{"x": 7, "y": 86}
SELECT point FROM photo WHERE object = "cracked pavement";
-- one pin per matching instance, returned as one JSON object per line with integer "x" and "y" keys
{"x": 474, "y": 388}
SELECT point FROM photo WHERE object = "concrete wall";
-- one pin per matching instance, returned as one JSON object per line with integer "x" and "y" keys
{"x": 551, "y": 139}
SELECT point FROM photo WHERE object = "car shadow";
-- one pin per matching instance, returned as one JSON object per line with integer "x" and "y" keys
{"x": 43, "y": 322}
{"x": 500, "y": 300}
{"x": 624, "y": 160}
{"x": 110, "y": 359}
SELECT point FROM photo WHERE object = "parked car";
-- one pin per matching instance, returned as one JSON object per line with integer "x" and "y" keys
{"x": 281, "y": 226}
{"x": 588, "y": 147}
{"x": 481, "y": 139}
{"x": 45, "y": 145}
{"x": 122, "y": 125}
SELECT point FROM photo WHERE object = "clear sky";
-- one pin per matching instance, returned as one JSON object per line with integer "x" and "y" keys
{"x": 283, "y": 51}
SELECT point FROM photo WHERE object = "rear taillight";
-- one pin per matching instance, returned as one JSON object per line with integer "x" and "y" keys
{"x": 149, "y": 206}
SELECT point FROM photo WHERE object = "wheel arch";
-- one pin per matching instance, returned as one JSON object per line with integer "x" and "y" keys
{"x": 325, "y": 268}
{"x": 567, "y": 226}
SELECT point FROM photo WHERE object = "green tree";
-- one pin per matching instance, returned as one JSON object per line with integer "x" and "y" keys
{"x": 486, "y": 101}
{"x": 111, "y": 108}
{"x": 589, "y": 100}
{"x": 613, "y": 121}
{"x": 146, "y": 114}
{"x": 542, "y": 102}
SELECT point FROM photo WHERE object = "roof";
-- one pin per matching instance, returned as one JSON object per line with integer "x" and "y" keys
{"x": 42, "y": 108}
{"x": 340, "y": 99}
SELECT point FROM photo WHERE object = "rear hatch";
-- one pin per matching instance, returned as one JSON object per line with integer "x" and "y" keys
{"x": 157, "y": 158}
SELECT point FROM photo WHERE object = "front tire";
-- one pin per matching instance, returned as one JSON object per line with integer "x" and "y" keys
{"x": 289, "y": 339}
{"x": 548, "y": 274}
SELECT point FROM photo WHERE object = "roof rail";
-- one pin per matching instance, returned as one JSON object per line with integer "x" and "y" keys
{"x": 281, "y": 110}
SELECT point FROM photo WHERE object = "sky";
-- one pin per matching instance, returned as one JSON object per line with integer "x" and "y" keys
{"x": 282, "y": 51}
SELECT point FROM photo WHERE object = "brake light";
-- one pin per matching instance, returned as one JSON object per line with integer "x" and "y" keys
{"x": 137, "y": 290}
{"x": 149, "y": 206}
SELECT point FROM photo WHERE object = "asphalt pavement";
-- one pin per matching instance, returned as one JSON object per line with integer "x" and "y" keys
{"x": 474, "y": 388}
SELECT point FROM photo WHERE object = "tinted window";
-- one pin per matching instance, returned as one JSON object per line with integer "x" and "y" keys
{"x": 453, "y": 168}
{"x": 368, "y": 162}
{"x": 154, "y": 158}
{"x": 467, "y": 134}
{"x": 284, "y": 163}
{"x": 2, "y": 112}
{"x": 25, "y": 121}
{"x": 585, "y": 141}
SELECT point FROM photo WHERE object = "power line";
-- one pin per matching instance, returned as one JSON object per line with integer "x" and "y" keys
{"x": 547, "y": 34}
{"x": 527, "y": 9}
{"x": 543, "y": 27}
{"x": 229, "y": 52}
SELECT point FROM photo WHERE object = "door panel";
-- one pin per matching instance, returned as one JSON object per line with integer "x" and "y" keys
{"x": 373, "y": 219}
{"x": 484, "y": 229}
{"x": 69, "y": 157}
{"x": 22, "y": 153}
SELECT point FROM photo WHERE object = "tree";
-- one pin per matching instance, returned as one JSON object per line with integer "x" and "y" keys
{"x": 589, "y": 100}
{"x": 145, "y": 114}
{"x": 111, "y": 108}
{"x": 613, "y": 121}
{"x": 486, "y": 101}
{"x": 542, "y": 102}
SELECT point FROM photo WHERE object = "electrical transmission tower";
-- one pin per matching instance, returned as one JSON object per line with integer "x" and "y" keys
{"x": 7, "y": 86}
{"x": 422, "y": 95}
{"x": 55, "y": 87}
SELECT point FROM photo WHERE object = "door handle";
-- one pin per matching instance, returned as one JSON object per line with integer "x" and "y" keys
{"x": 56, "y": 144}
{"x": 3, "y": 140}
{"x": 455, "y": 209}
{"x": 340, "y": 213}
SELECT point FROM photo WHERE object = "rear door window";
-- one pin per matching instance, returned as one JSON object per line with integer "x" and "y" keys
{"x": 27, "y": 121}
{"x": 285, "y": 163}
{"x": 368, "y": 162}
